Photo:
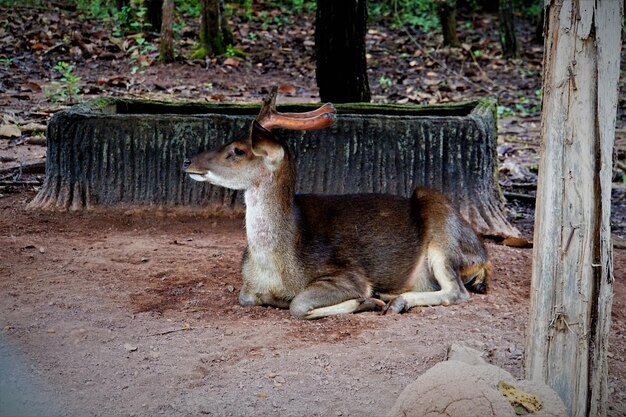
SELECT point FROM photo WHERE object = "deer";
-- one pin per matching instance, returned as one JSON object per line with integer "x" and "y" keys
{"x": 323, "y": 255}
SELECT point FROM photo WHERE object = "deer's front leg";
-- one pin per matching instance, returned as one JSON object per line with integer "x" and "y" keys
{"x": 248, "y": 298}
{"x": 345, "y": 292}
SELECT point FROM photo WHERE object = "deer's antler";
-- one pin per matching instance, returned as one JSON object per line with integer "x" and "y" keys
{"x": 269, "y": 118}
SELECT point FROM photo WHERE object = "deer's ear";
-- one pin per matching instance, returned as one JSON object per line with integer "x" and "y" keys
{"x": 265, "y": 145}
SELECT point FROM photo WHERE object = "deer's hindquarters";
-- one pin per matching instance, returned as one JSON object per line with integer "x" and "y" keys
{"x": 418, "y": 250}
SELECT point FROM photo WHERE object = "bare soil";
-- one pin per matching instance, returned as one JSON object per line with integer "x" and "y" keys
{"x": 133, "y": 311}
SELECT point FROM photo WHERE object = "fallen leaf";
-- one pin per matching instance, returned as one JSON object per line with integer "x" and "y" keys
{"x": 215, "y": 97}
{"x": 287, "y": 89}
{"x": 31, "y": 86}
{"x": 39, "y": 47}
{"x": 37, "y": 140}
{"x": 33, "y": 127}
{"x": 517, "y": 242}
{"x": 232, "y": 62}
{"x": 10, "y": 131}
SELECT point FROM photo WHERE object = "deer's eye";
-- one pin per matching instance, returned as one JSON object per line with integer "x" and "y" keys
{"x": 235, "y": 152}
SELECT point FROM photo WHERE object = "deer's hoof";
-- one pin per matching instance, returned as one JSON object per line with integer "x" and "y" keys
{"x": 397, "y": 305}
{"x": 371, "y": 304}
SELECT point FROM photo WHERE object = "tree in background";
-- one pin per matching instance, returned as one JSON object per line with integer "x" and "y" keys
{"x": 446, "y": 9}
{"x": 341, "y": 71}
{"x": 538, "y": 36}
{"x": 214, "y": 35}
{"x": 166, "y": 50}
{"x": 154, "y": 13}
{"x": 508, "y": 38}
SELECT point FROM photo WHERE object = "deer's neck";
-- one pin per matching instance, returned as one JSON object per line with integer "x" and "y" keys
{"x": 270, "y": 223}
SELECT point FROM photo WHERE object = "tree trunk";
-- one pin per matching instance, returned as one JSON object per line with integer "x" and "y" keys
{"x": 166, "y": 50}
{"x": 572, "y": 276}
{"x": 447, "y": 16}
{"x": 154, "y": 13}
{"x": 508, "y": 39}
{"x": 341, "y": 72}
{"x": 539, "y": 26}
{"x": 215, "y": 35}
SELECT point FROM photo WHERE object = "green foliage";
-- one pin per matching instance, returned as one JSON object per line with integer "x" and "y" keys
{"x": 128, "y": 19}
{"x": 5, "y": 63}
{"x": 287, "y": 7}
{"x": 199, "y": 53}
{"x": 299, "y": 6}
{"x": 66, "y": 89}
{"x": 505, "y": 111}
{"x": 97, "y": 9}
{"x": 188, "y": 8}
{"x": 231, "y": 51}
{"x": 23, "y": 3}
{"x": 246, "y": 5}
{"x": 385, "y": 82}
{"x": 131, "y": 18}
{"x": 524, "y": 106}
{"x": 420, "y": 14}
{"x": 526, "y": 9}
{"x": 139, "y": 54}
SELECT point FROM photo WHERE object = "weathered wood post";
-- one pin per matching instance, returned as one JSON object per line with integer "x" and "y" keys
{"x": 572, "y": 277}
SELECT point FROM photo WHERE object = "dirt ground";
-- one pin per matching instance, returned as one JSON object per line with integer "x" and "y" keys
{"x": 134, "y": 312}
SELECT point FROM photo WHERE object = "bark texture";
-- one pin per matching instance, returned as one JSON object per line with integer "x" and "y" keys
{"x": 154, "y": 13}
{"x": 447, "y": 16}
{"x": 572, "y": 275}
{"x": 166, "y": 49}
{"x": 341, "y": 71}
{"x": 508, "y": 37}
{"x": 214, "y": 35}
{"x": 132, "y": 152}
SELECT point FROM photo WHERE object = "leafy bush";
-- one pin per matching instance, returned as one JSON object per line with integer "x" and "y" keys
{"x": 188, "y": 7}
{"x": 420, "y": 14}
{"x": 128, "y": 19}
{"x": 66, "y": 89}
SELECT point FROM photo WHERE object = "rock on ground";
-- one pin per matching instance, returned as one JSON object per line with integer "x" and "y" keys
{"x": 466, "y": 386}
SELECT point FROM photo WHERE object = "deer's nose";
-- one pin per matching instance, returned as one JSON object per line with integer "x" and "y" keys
{"x": 186, "y": 163}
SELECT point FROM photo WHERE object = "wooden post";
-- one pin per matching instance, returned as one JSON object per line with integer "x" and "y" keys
{"x": 572, "y": 276}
